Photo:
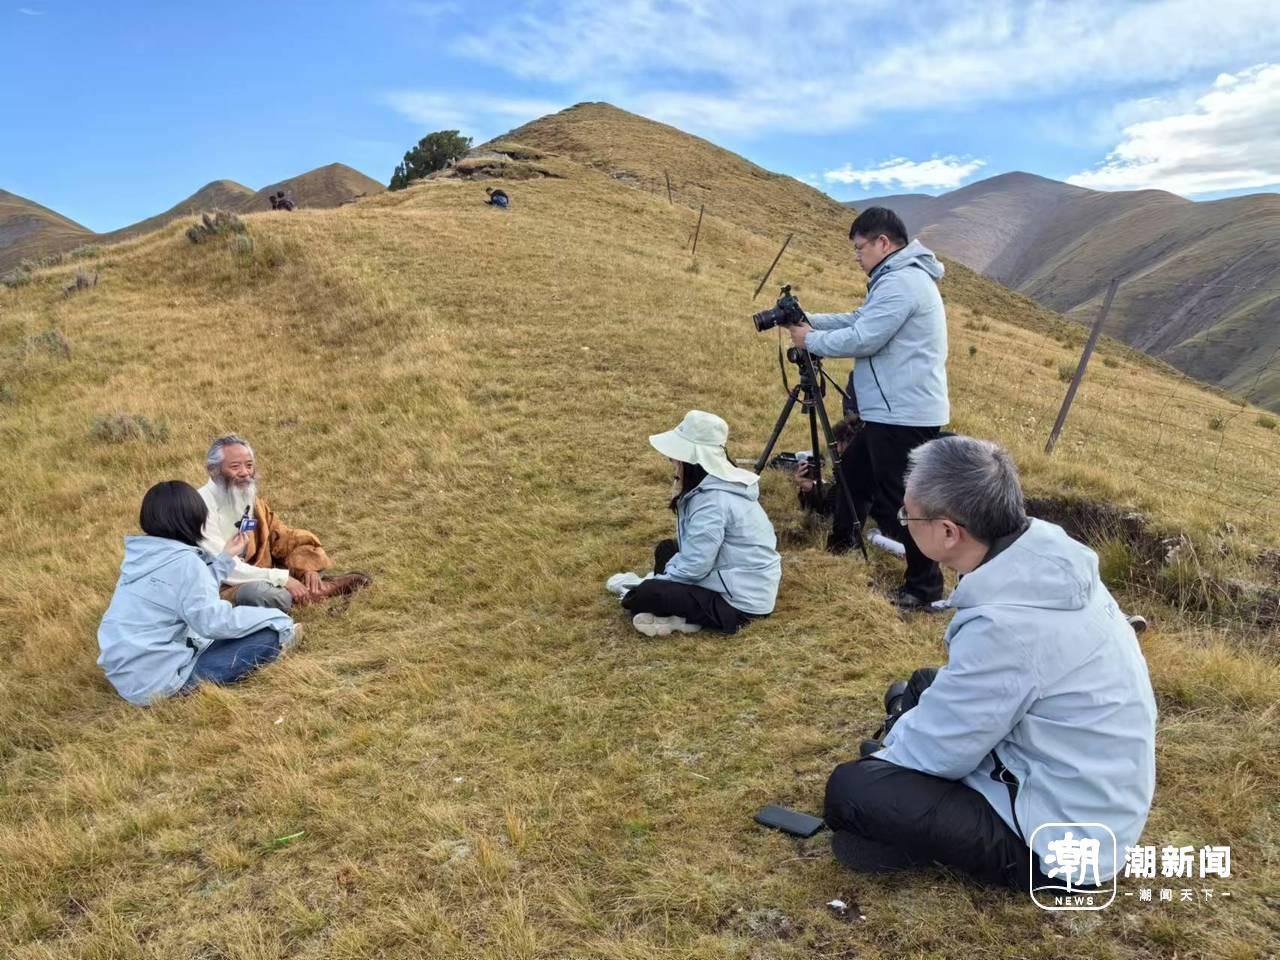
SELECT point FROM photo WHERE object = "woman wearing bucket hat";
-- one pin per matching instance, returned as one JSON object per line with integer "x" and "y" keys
{"x": 723, "y": 568}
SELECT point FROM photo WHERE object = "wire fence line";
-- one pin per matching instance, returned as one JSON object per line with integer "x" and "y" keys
{"x": 1187, "y": 438}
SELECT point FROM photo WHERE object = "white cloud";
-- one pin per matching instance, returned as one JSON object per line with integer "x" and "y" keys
{"x": 467, "y": 111}
{"x": 1228, "y": 139}
{"x": 826, "y": 65}
{"x": 939, "y": 172}
{"x": 28, "y": 12}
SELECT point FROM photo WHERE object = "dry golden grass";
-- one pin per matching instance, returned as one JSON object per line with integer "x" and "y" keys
{"x": 482, "y": 759}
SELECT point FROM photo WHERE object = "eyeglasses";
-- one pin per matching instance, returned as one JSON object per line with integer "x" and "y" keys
{"x": 866, "y": 243}
{"x": 903, "y": 518}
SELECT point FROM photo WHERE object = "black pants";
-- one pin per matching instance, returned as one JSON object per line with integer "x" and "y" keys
{"x": 668, "y": 598}
{"x": 922, "y": 819}
{"x": 841, "y": 538}
{"x": 876, "y": 463}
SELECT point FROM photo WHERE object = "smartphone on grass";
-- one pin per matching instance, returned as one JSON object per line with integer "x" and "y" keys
{"x": 793, "y": 822}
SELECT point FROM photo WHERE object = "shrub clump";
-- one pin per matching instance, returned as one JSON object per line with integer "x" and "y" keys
{"x": 52, "y": 342}
{"x": 17, "y": 277}
{"x": 1266, "y": 422}
{"x": 1217, "y": 422}
{"x": 1066, "y": 371}
{"x": 123, "y": 427}
{"x": 83, "y": 281}
{"x": 221, "y": 223}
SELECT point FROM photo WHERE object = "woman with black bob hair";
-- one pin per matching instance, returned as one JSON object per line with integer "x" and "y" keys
{"x": 166, "y": 629}
{"x": 723, "y": 568}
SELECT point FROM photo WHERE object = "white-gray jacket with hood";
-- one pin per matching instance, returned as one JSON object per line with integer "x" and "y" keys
{"x": 165, "y": 611}
{"x": 1045, "y": 675}
{"x": 899, "y": 336}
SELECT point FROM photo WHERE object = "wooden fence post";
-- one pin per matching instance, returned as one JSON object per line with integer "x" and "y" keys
{"x": 1084, "y": 362}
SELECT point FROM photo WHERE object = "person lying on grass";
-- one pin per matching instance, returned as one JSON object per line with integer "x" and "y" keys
{"x": 166, "y": 629}
{"x": 1042, "y": 714}
{"x": 283, "y": 565}
{"x": 722, "y": 570}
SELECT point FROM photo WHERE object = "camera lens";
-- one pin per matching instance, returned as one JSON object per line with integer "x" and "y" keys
{"x": 766, "y": 319}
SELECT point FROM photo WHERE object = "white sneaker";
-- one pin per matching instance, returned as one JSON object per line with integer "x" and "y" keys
{"x": 654, "y": 626}
{"x": 621, "y": 583}
{"x": 290, "y": 641}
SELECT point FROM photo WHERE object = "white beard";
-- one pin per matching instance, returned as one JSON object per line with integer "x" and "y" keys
{"x": 238, "y": 498}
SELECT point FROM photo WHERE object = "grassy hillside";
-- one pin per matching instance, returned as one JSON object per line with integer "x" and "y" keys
{"x": 30, "y": 230}
{"x": 218, "y": 195}
{"x": 479, "y": 757}
{"x": 327, "y": 186}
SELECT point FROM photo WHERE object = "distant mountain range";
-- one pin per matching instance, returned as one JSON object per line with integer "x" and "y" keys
{"x": 1201, "y": 283}
{"x": 29, "y": 230}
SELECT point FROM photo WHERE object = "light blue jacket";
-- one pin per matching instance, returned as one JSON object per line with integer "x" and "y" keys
{"x": 1044, "y": 670}
{"x": 165, "y": 611}
{"x": 899, "y": 336}
{"x": 726, "y": 544}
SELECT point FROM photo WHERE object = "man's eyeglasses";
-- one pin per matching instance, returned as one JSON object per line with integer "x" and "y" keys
{"x": 869, "y": 240}
{"x": 903, "y": 518}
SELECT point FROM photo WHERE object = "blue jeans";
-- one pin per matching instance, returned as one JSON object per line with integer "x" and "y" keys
{"x": 226, "y": 661}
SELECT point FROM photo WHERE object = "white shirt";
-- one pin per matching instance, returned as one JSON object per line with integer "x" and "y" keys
{"x": 221, "y": 527}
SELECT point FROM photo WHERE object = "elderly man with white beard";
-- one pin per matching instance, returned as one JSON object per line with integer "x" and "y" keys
{"x": 282, "y": 565}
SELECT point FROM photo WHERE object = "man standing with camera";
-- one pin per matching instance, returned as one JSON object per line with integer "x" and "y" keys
{"x": 899, "y": 381}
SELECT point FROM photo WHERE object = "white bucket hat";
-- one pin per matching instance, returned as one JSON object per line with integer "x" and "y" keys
{"x": 700, "y": 439}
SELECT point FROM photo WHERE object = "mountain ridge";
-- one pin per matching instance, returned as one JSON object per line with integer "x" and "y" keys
{"x": 1198, "y": 288}
{"x": 29, "y": 230}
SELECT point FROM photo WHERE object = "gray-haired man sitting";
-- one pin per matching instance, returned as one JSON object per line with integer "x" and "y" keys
{"x": 282, "y": 565}
{"x": 1042, "y": 714}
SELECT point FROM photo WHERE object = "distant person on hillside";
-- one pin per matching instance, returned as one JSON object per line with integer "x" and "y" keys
{"x": 275, "y": 204}
{"x": 166, "y": 629}
{"x": 899, "y": 380}
{"x": 281, "y": 202}
{"x": 1043, "y": 712}
{"x": 497, "y": 198}
{"x": 283, "y": 565}
{"x": 722, "y": 570}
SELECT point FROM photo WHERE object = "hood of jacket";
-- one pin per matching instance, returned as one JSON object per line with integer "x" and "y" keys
{"x": 145, "y": 555}
{"x": 914, "y": 254}
{"x": 1043, "y": 568}
{"x": 748, "y": 491}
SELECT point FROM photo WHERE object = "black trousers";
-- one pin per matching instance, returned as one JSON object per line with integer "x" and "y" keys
{"x": 922, "y": 819}
{"x": 667, "y": 598}
{"x": 876, "y": 465}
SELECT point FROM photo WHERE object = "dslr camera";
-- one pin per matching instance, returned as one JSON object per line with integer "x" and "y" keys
{"x": 785, "y": 313}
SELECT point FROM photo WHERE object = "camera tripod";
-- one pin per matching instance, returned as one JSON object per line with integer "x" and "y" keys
{"x": 809, "y": 391}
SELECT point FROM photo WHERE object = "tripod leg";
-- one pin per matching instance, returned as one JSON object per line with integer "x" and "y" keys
{"x": 835, "y": 465}
{"x": 817, "y": 454}
{"x": 777, "y": 427}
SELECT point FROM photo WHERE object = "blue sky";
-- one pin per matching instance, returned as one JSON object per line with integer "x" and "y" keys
{"x": 113, "y": 112}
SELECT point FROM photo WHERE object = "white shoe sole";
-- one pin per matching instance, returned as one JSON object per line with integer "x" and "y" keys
{"x": 653, "y": 626}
